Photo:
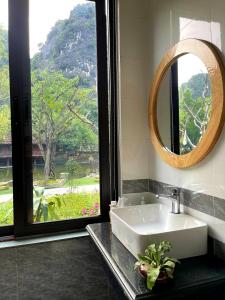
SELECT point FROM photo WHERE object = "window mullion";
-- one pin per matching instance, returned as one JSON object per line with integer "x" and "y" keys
{"x": 20, "y": 94}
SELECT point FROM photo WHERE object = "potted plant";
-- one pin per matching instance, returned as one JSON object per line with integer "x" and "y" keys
{"x": 155, "y": 265}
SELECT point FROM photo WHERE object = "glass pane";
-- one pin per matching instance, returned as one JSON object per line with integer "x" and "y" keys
{"x": 64, "y": 110}
{"x": 6, "y": 190}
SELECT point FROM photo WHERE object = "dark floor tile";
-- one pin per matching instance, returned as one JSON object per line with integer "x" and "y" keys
{"x": 73, "y": 271}
{"x": 8, "y": 274}
{"x": 62, "y": 286}
{"x": 8, "y": 283}
{"x": 81, "y": 247}
{"x": 35, "y": 254}
{"x": 116, "y": 293}
{"x": 103, "y": 297}
{"x": 8, "y": 257}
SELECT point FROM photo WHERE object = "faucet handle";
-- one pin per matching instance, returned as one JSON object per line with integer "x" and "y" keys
{"x": 175, "y": 192}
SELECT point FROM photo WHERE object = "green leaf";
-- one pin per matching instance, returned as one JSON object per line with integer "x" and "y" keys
{"x": 52, "y": 213}
{"x": 39, "y": 191}
{"x": 38, "y": 213}
{"x": 172, "y": 259}
{"x": 36, "y": 204}
{"x": 152, "y": 276}
{"x": 45, "y": 212}
{"x": 169, "y": 266}
{"x": 59, "y": 202}
{"x": 144, "y": 258}
{"x": 9, "y": 212}
{"x": 151, "y": 248}
{"x": 164, "y": 246}
{"x": 137, "y": 265}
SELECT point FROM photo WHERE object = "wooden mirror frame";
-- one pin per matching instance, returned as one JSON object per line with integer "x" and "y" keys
{"x": 211, "y": 58}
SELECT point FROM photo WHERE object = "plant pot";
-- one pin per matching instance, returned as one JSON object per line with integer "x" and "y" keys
{"x": 162, "y": 278}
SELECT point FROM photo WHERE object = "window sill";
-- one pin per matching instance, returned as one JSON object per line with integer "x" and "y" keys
{"x": 41, "y": 239}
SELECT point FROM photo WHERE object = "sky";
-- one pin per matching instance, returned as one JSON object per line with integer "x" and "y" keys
{"x": 192, "y": 65}
{"x": 43, "y": 16}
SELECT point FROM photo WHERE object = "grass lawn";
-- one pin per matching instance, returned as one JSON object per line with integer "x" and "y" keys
{"x": 74, "y": 182}
{"x": 6, "y": 191}
{"x": 71, "y": 206}
{"x": 82, "y": 181}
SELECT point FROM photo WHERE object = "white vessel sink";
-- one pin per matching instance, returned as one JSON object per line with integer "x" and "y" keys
{"x": 138, "y": 226}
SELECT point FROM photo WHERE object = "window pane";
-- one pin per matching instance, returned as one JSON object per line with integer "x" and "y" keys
{"x": 6, "y": 190}
{"x": 64, "y": 110}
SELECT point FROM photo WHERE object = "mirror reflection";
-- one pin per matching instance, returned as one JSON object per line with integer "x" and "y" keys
{"x": 184, "y": 104}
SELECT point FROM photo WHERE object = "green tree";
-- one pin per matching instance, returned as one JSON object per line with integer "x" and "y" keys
{"x": 79, "y": 137}
{"x": 3, "y": 47}
{"x": 4, "y": 85}
{"x": 74, "y": 169}
{"x": 199, "y": 85}
{"x": 194, "y": 115}
{"x": 5, "y": 123}
{"x": 56, "y": 102}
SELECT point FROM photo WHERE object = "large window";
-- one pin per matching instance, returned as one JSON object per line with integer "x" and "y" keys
{"x": 54, "y": 58}
{"x": 64, "y": 110}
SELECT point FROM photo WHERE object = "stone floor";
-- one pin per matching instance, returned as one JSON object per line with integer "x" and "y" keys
{"x": 60, "y": 270}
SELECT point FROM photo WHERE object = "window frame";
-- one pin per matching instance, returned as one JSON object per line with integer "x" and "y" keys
{"x": 174, "y": 109}
{"x": 21, "y": 123}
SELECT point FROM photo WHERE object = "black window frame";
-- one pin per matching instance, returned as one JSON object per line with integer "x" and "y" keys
{"x": 20, "y": 94}
{"x": 174, "y": 109}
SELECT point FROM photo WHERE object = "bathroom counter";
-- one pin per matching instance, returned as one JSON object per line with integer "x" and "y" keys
{"x": 199, "y": 277}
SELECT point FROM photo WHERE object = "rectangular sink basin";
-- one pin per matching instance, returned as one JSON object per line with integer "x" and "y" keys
{"x": 138, "y": 226}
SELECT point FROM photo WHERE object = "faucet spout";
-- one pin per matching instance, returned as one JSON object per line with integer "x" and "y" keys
{"x": 175, "y": 200}
{"x": 175, "y": 197}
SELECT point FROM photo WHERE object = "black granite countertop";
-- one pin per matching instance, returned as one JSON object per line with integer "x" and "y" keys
{"x": 200, "y": 277}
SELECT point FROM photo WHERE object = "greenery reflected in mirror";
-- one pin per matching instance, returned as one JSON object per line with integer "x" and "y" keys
{"x": 184, "y": 104}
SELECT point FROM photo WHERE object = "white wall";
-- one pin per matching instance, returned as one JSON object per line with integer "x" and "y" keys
{"x": 148, "y": 28}
{"x": 163, "y": 110}
{"x": 134, "y": 89}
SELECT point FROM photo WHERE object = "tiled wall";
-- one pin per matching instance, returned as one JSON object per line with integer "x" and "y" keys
{"x": 171, "y": 22}
{"x": 148, "y": 28}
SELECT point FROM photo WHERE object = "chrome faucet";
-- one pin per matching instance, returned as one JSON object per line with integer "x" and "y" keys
{"x": 175, "y": 197}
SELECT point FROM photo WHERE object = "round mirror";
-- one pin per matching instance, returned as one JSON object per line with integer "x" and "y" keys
{"x": 186, "y": 105}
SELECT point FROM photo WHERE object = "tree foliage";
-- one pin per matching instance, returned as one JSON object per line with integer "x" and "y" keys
{"x": 3, "y": 47}
{"x": 194, "y": 113}
{"x": 4, "y": 87}
{"x": 57, "y": 105}
{"x": 64, "y": 105}
{"x": 4, "y": 123}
